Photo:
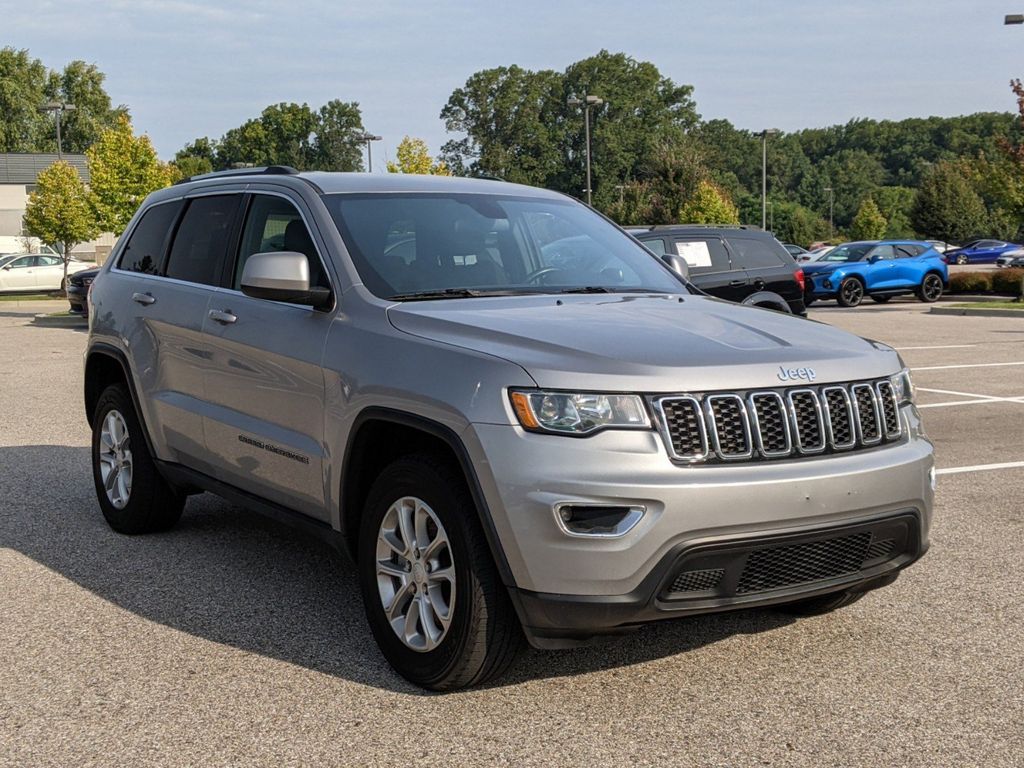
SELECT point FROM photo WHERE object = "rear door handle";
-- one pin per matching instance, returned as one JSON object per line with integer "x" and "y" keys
{"x": 143, "y": 298}
{"x": 737, "y": 282}
{"x": 224, "y": 318}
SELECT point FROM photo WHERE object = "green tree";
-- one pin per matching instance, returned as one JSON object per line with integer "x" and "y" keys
{"x": 796, "y": 224}
{"x": 868, "y": 223}
{"x": 896, "y": 203}
{"x": 337, "y": 146}
{"x": 708, "y": 205}
{"x": 414, "y": 157}
{"x": 81, "y": 84}
{"x": 22, "y": 89}
{"x": 58, "y": 211}
{"x": 123, "y": 169}
{"x": 948, "y": 207}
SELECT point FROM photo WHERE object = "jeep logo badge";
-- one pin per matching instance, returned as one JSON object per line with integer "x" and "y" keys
{"x": 792, "y": 374}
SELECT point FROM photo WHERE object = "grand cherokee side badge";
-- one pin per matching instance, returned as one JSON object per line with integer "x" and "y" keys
{"x": 792, "y": 374}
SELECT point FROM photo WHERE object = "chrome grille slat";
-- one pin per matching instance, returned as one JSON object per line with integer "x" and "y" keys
{"x": 778, "y": 423}
{"x": 839, "y": 418}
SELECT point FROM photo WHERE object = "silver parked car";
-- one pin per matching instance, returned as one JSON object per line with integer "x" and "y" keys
{"x": 517, "y": 420}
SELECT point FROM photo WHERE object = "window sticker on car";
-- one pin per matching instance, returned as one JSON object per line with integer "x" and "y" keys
{"x": 695, "y": 252}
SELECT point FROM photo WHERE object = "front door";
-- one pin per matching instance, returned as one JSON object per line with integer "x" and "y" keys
{"x": 19, "y": 275}
{"x": 265, "y": 387}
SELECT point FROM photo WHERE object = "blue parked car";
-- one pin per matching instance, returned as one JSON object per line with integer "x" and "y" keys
{"x": 979, "y": 252}
{"x": 880, "y": 269}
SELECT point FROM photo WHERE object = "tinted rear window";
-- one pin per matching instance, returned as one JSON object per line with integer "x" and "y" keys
{"x": 201, "y": 243}
{"x": 752, "y": 253}
{"x": 144, "y": 250}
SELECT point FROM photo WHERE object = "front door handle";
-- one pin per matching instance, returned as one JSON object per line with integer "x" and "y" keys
{"x": 223, "y": 317}
{"x": 145, "y": 299}
{"x": 737, "y": 282}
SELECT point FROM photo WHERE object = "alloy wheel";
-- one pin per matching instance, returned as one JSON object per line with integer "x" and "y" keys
{"x": 931, "y": 288}
{"x": 961, "y": 259}
{"x": 415, "y": 574}
{"x": 116, "y": 459}
{"x": 853, "y": 292}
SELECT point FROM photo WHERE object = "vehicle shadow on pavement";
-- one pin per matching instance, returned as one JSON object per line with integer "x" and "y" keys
{"x": 233, "y": 577}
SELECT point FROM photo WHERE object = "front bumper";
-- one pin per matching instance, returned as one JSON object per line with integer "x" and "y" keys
{"x": 578, "y": 586}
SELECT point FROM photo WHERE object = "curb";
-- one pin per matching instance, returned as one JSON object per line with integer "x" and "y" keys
{"x": 972, "y": 312}
{"x": 61, "y": 321}
{"x": 973, "y": 297}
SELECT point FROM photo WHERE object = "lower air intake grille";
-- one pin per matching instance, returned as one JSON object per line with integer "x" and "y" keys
{"x": 697, "y": 581}
{"x": 784, "y": 566}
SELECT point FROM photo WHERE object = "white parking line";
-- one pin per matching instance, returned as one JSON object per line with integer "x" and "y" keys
{"x": 963, "y": 394}
{"x": 967, "y": 365}
{"x": 938, "y": 346}
{"x": 977, "y": 398}
{"x": 980, "y": 468}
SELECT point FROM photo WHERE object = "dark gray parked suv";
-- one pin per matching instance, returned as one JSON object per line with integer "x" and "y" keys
{"x": 517, "y": 421}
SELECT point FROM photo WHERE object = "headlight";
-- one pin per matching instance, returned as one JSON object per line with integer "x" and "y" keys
{"x": 581, "y": 413}
{"x": 903, "y": 386}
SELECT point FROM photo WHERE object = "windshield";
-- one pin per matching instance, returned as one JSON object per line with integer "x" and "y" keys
{"x": 406, "y": 245}
{"x": 848, "y": 252}
{"x": 7, "y": 258}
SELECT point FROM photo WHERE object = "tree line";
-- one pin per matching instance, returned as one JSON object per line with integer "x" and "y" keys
{"x": 655, "y": 160}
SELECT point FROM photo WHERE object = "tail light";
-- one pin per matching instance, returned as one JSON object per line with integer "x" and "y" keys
{"x": 800, "y": 280}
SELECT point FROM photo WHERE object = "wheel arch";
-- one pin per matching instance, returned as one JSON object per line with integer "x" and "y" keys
{"x": 106, "y": 365}
{"x": 381, "y": 435}
{"x": 769, "y": 300}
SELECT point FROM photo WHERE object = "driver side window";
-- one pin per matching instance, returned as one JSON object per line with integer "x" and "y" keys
{"x": 883, "y": 253}
{"x": 273, "y": 224}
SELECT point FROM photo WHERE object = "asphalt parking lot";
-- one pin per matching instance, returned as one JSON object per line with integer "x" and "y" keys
{"x": 234, "y": 641}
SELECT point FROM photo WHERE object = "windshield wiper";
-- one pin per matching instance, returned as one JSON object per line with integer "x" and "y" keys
{"x": 605, "y": 289}
{"x": 458, "y": 293}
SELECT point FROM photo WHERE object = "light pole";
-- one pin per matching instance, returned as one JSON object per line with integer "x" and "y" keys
{"x": 764, "y": 172}
{"x": 586, "y": 102}
{"x": 771, "y": 215}
{"x": 368, "y": 137}
{"x": 831, "y": 200}
{"x": 58, "y": 108}
{"x": 1013, "y": 18}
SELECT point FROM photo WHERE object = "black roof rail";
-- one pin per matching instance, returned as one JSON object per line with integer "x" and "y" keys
{"x": 751, "y": 227}
{"x": 273, "y": 170}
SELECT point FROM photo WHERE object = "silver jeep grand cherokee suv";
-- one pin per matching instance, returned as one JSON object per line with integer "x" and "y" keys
{"x": 517, "y": 420}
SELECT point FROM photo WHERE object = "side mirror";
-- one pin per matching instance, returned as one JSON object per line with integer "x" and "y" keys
{"x": 677, "y": 264}
{"x": 282, "y": 276}
{"x": 7, "y": 267}
{"x": 874, "y": 259}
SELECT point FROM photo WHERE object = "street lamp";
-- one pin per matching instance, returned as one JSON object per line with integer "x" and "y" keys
{"x": 58, "y": 108}
{"x": 368, "y": 137}
{"x": 1013, "y": 18}
{"x": 764, "y": 172}
{"x": 831, "y": 200}
{"x": 586, "y": 102}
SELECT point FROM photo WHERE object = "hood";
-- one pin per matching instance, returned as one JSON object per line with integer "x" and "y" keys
{"x": 824, "y": 267}
{"x": 645, "y": 343}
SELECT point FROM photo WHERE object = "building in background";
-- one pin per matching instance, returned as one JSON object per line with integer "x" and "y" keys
{"x": 18, "y": 175}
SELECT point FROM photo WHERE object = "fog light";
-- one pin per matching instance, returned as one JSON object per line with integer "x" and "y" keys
{"x": 827, "y": 283}
{"x": 597, "y": 520}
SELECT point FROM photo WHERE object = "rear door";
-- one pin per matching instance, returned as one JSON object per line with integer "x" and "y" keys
{"x": 265, "y": 386}
{"x": 910, "y": 265}
{"x": 768, "y": 265}
{"x": 48, "y": 272}
{"x": 711, "y": 268}
{"x": 881, "y": 273}
{"x": 170, "y": 267}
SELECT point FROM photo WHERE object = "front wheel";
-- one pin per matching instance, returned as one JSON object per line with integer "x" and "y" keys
{"x": 432, "y": 594}
{"x": 851, "y": 292}
{"x": 961, "y": 259}
{"x": 930, "y": 289}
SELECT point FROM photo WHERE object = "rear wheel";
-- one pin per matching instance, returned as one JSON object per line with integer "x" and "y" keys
{"x": 851, "y": 292}
{"x": 133, "y": 497}
{"x": 961, "y": 259}
{"x": 930, "y": 289}
{"x": 432, "y": 594}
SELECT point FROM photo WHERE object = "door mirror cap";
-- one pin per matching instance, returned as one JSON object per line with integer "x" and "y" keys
{"x": 282, "y": 276}
{"x": 677, "y": 264}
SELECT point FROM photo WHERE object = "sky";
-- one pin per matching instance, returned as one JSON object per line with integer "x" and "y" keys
{"x": 188, "y": 68}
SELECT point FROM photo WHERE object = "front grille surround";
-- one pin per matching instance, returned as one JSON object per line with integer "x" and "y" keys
{"x": 745, "y": 425}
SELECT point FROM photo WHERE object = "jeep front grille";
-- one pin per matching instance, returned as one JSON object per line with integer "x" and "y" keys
{"x": 775, "y": 424}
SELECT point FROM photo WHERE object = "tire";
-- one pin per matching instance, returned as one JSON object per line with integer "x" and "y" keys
{"x": 482, "y": 636}
{"x": 821, "y": 604}
{"x": 880, "y": 299}
{"x": 851, "y": 292}
{"x": 930, "y": 289}
{"x": 146, "y": 503}
{"x": 961, "y": 259}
